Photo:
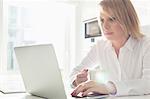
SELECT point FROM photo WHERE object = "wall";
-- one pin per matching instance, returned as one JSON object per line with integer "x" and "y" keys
{"x": 143, "y": 11}
{"x": 1, "y": 30}
{"x": 85, "y": 10}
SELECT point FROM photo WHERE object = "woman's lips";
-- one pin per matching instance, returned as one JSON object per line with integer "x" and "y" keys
{"x": 108, "y": 33}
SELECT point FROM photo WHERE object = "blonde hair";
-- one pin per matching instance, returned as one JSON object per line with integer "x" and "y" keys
{"x": 126, "y": 15}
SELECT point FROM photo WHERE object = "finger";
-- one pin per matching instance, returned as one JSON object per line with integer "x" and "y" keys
{"x": 77, "y": 90}
{"x": 82, "y": 87}
{"x": 84, "y": 74}
{"x": 84, "y": 70}
{"x": 86, "y": 92}
{"x": 74, "y": 91}
{"x": 82, "y": 79}
{"x": 80, "y": 76}
{"x": 79, "y": 81}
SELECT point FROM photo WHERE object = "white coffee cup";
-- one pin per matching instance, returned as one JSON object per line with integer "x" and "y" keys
{"x": 98, "y": 75}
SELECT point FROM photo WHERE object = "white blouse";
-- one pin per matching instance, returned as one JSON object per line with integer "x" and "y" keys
{"x": 130, "y": 71}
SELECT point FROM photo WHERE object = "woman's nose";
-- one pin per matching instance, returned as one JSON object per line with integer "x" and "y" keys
{"x": 106, "y": 25}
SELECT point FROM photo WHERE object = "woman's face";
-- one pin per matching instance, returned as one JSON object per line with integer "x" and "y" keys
{"x": 112, "y": 29}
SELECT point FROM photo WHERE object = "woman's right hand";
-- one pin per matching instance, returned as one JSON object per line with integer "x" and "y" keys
{"x": 81, "y": 77}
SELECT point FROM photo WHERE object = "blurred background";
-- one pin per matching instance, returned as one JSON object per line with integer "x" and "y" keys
{"x": 60, "y": 22}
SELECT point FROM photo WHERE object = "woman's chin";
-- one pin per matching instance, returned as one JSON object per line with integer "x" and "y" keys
{"x": 108, "y": 37}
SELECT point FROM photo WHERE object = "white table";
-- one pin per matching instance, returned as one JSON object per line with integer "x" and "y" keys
{"x": 8, "y": 80}
{"x": 27, "y": 96}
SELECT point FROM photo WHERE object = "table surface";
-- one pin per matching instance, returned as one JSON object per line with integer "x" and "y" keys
{"x": 68, "y": 91}
{"x": 28, "y": 96}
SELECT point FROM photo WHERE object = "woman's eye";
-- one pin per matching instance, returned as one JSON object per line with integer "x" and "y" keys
{"x": 112, "y": 19}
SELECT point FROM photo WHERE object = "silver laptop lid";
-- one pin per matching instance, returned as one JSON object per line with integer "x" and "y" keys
{"x": 40, "y": 71}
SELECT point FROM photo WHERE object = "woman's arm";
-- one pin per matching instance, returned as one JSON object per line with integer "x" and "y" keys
{"x": 89, "y": 61}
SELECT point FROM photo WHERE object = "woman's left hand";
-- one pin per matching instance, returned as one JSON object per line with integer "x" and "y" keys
{"x": 90, "y": 86}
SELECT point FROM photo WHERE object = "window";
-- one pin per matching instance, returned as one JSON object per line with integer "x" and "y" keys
{"x": 17, "y": 27}
{"x": 29, "y": 22}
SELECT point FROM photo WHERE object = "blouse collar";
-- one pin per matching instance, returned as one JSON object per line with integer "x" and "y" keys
{"x": 130, "y": 43}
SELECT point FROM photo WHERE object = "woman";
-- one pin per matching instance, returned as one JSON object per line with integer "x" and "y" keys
{"x": 124, "y": 54}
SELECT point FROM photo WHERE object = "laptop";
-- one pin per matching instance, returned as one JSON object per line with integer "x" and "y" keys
{"x": 40, "y": 71}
